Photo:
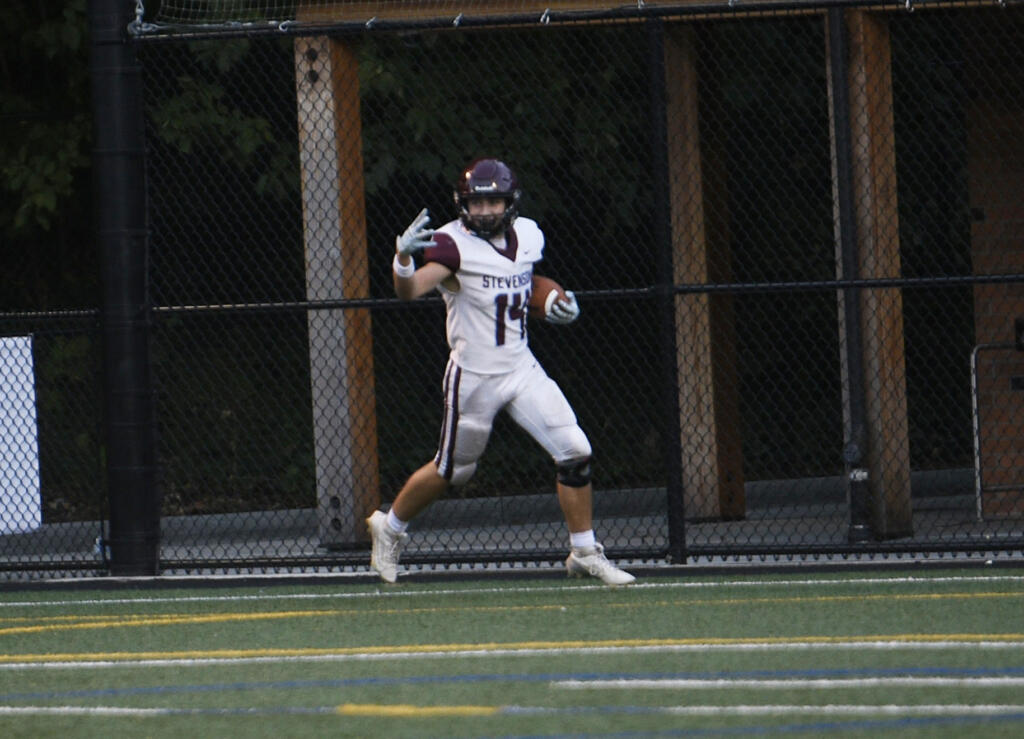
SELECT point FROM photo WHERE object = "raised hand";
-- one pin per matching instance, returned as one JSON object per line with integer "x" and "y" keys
{"x": 417, "y": 236}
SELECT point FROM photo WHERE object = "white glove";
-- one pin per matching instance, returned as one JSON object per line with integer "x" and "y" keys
{"x": 562, "y": 311}
{"x": 417, "y": 236}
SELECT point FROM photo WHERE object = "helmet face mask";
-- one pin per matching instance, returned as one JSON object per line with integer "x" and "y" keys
{"x": 487, "y": 178}
{"x": 485, "y": 226}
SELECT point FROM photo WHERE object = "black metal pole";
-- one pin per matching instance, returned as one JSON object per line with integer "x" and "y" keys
{"x": 122, "y": 237}
{"x": 855, "y": 443}
{"x": 666, "y": 294}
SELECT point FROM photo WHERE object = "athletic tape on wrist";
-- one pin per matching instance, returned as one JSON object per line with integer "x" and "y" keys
{"x": 403, "y": 270}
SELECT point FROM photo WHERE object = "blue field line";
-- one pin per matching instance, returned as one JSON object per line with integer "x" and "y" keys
{"x": 817, "y": 728}
{"x": 514, "y": 678}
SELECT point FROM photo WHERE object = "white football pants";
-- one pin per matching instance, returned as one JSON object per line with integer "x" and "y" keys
{"x": 532, "y": 399}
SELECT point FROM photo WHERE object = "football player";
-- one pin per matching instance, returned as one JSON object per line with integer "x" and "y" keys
{"x": 482, "y": 264}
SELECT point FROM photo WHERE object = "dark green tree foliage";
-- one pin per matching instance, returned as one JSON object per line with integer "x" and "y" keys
{"x": 227, "y": 228}
{"x": 224, "y": 180}
{"x": 45, "y": 145}
{"x": 48, "y": 257}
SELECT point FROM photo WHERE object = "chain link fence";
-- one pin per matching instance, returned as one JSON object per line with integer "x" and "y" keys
{"x": 796, "y": 237}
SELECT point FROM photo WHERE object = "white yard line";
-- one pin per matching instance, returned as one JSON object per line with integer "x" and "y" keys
{"x": 847, "y": 710}
{"x": 411, "y": 712}
{"x": 789, "y": 684}
{"x": 341, "y": 594}
{"x": 84, "y": 711}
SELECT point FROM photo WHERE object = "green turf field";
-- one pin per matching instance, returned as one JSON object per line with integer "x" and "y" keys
{"x": 877, "y": 653}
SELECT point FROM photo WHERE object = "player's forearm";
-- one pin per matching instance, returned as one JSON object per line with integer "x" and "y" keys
{"x": 411, "y": 283}
{"x": 403, "y": 274}
{"x": 405, "y": 289}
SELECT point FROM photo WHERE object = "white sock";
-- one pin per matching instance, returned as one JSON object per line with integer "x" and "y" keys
{"x": 396, "y": 524}
{"x": 582, "y": 539}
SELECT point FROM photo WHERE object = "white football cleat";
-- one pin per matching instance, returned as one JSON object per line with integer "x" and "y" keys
{"x": 387, "y": 546}
{"x": 591, "y": 561}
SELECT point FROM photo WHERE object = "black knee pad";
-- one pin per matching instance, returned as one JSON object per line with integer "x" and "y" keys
{"x": 575, "y": 473}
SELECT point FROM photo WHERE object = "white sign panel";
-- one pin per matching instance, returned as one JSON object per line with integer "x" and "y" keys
{"x": 20, "y": 502}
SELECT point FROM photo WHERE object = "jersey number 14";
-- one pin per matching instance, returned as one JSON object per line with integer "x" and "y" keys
{"x": 514, "y": 306}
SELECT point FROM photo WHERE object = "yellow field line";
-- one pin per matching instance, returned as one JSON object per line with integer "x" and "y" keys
{"x": 442, "y": 649}
{"x": 408, "y": 711}
{"x": 161, "y": 620}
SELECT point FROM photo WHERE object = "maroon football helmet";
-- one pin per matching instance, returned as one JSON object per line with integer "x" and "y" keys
{"x": 487, "y": 178}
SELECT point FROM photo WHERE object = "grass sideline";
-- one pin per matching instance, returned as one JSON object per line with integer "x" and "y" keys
{"x": 936, "y": 653}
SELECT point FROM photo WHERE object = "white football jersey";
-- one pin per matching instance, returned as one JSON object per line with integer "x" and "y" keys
{"x": 487, "y": 314}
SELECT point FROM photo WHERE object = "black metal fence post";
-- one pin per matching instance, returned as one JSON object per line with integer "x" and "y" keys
{"x": 120, "y": 195}
{"x": 854, "y": 452}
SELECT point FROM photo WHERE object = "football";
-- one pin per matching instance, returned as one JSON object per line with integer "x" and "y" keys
{"x": 542, "y": 287}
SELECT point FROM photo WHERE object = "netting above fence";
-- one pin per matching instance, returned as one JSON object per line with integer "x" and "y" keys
{"x": 268, "y": 13}
{"x": 242, "y": 11}
{"x": 197, "y": 16}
